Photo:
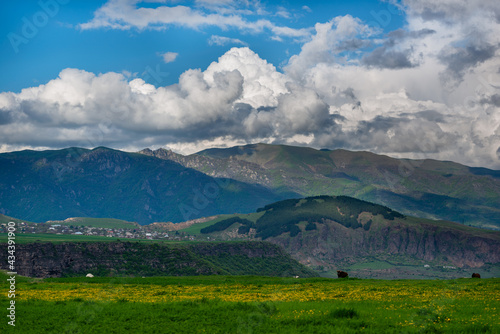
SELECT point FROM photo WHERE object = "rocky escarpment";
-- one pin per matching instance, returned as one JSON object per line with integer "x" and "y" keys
{"x": 332, "y": 244}
{"x": 141, "y": 259}
{"x": 226, "y": 168}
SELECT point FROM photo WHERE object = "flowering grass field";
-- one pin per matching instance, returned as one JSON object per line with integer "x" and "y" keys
{"x": 248, "y": 304}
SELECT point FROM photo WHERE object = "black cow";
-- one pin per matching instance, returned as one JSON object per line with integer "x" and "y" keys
{"x": 342, "y": 274}
{"x": 476, "y": 275}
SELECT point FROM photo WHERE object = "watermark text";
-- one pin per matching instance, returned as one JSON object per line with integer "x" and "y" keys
{"x": 11, "y": 260}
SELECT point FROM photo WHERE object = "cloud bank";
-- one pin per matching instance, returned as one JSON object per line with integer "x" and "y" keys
{"x": 430, "y": 90}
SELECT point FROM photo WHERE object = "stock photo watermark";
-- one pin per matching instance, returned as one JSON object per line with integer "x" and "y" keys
{"x": 32, "y": 25}
{"x": 155, "y": 75}
{"x": 383, "y": 18}
{"x": 489, "y": 86}
{"x": 202, "y": 198}
{"x": 11, "y": 260}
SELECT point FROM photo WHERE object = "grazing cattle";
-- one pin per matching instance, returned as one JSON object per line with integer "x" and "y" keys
{"x": 476, "y": 275}
{"x": 342, "y": 274}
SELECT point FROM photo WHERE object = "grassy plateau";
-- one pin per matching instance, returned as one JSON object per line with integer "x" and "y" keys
{"x": 252, "y": 304}
{"x": 98, "y": 222}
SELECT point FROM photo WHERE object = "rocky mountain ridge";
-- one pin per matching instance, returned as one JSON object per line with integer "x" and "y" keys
{"x": 142, "y": 259}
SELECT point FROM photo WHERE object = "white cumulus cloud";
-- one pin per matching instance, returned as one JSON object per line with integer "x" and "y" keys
{"x": 169, "y": 57}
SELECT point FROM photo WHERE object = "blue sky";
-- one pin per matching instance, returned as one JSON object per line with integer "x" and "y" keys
{"x": 60, "y": 43}
{"x": 407, "y": 78}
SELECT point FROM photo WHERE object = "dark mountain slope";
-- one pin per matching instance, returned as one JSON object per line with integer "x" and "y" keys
{"x": 52, "y": 185}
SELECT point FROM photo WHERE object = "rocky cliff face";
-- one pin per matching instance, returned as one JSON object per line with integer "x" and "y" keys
{"x": 333, "y": 245}
{"x": 226, "y": 168}
{"x": 140, "y": 259}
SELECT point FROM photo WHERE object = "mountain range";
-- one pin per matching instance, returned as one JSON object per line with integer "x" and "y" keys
{"x": 161, "y": 186}
{"x": 423, "y": 188}
{"x": 106, "y": 183}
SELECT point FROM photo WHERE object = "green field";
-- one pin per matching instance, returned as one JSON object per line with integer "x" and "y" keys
{"x": 251, "y": 304}
{"x": 195, "y": 228}
{"x": 25, "y": 238}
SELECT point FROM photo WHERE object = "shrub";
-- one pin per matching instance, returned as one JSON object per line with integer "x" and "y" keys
{"x": 310, "y": 226}
{"x": 344, "y": 313}
{"x": 243, "y": 229}
{"x": 294, "y": 230}
{"x": 367, "y": 226}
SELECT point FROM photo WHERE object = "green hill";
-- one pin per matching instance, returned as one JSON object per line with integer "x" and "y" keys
{"x": 6, "y": 219}
{"x": 329, "y": 233}
{"x": 282, "y": 217}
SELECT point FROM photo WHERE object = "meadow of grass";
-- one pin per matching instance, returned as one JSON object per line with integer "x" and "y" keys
{"x": 195, "y": 228}
{"x": 251, "y": 304}
{"x": 25, "y": 238}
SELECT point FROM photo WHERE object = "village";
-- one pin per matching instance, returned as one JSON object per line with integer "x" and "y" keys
{"x": 138, "y": 232}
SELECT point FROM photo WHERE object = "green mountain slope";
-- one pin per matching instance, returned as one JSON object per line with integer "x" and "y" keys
{"x": 55, "y": 185}
{"x": 284, "y": 216}
{"x": 424, "y": 188}
{"x": 6, "y": 219}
